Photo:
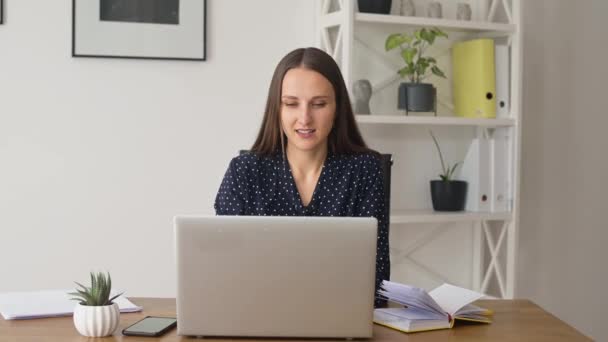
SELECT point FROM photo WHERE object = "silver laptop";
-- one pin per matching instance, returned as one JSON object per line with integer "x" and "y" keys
{"x": 261, "y": 276}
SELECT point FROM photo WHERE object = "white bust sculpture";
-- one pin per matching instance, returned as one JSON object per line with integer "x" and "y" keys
{"x": 362, "y": 91}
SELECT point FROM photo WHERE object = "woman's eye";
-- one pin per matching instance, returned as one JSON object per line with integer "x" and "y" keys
{"x": 319, "y": 104}
{"x": 290, "y": 104}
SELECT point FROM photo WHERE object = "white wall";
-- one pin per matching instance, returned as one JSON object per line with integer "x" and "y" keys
{"x": 563, "y": 234}
{"x": 97, "y": 155}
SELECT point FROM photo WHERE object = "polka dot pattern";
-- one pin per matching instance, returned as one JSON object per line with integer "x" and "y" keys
{"x": 349, "y": 185}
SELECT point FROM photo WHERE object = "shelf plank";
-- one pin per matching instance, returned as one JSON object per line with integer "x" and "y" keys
{"x": 433, "y": 120}
{"x": 444, "y": 24}
{"x": 430, "y": 216}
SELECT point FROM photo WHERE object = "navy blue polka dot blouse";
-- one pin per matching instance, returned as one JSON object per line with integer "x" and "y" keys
{"x": 349, "y": 185}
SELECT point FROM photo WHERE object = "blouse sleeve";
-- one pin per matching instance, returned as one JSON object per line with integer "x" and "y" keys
{"x": 231, "y": 198}
{"x": 372, "y": 203}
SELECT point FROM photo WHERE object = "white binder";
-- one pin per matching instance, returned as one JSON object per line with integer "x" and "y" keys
{"x": 501, "y": 175}
{"x": 476, "y": 171}
{"x": 501, "y": 61}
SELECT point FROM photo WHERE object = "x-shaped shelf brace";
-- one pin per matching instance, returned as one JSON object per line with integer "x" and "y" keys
{"x": 493, "y": 8}
{"x": 493, "y": 265}
{"x": 326, "y": 43}
{"x": 405, "y": 255}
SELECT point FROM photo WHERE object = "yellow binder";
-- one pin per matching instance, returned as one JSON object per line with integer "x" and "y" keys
{"x": 474, "y": 78}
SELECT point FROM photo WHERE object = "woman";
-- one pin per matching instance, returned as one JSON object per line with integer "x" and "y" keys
{"x": 309, "y": 158}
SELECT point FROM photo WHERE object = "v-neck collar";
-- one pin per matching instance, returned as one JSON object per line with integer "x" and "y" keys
{"x": 296, "y": 193}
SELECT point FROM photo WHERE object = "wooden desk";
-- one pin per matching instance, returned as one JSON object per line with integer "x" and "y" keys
{"x": 514, "y": 320}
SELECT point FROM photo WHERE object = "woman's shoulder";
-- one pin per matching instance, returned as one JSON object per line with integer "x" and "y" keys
{"x": 252, "y": 161}
{"x": 372, "y": 159}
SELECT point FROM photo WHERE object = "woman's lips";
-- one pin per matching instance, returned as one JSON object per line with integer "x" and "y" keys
{"x": 305, "y": 133}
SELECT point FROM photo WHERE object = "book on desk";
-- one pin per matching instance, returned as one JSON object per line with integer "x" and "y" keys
{"x": 422, "y": 311}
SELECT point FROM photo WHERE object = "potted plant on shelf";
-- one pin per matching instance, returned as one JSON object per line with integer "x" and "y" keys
{"x": 96, "y": 314}
{"x": 447, "y": 194}
{"x": 375, "y": 6}
{"x": 416, "y": 96}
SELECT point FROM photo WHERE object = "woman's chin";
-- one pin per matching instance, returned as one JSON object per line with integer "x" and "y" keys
{"x": 307, "y": 146}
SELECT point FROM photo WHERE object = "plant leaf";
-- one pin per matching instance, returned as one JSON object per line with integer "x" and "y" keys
{"x": 409, "y": 54}
{"x": 428, "y": 36}
{"x": 439, "y": 150}
{"x": 453, "y": 169}
{"x": 405, "y": 71}
{"x": 421, "y": 69}
{"x": 394, "y": 40}
{"x": 437, "y": 71}
{"x": 439, "y": 33}
{"x": 112, "y": 299}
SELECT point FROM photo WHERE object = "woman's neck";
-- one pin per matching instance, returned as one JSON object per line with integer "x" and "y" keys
{"x": 306, "y": 163}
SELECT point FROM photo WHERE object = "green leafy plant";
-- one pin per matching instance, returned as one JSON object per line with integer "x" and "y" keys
{"x": 99, "y": 292}
{"x": 448, "y": 172}
{"x": 413, "y": 47}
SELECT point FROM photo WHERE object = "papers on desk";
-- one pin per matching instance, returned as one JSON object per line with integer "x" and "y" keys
{"x": 48, "y": 303}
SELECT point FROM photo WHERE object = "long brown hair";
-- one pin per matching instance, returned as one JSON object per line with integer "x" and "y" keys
{"x": 344, "y": 138}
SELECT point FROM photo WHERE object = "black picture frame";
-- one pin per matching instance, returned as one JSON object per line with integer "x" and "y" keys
{"x": 1, "y": 12}
{"x": 76, "y": 53}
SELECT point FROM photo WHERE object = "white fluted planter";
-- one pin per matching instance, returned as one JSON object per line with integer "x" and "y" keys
{"x": 96, "y": 321}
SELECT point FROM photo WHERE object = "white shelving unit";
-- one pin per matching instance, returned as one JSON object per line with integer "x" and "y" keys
{"x": 434, "y": 120}
{"x": 430, "y": 216}
{"x": 494, "y": 250}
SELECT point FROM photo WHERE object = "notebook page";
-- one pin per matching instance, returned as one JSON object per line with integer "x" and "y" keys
{"x": 410, "y": 296}
{"x": 453, "y": 298}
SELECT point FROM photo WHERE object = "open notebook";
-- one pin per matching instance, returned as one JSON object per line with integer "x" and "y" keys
{"x": 48, "y": 303}
{"x": 429, "y": 311}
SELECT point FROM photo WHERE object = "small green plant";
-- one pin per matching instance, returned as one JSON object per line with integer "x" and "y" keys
{"x": 413, "y": 48}
{"x": 99, "y": 292}
{"x": 448, "y": 172}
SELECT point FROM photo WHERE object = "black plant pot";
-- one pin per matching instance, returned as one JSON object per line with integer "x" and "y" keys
{"x": 375, "y": 6}
{"x": 417, "y": 97}
{"x": 448, "y": 196}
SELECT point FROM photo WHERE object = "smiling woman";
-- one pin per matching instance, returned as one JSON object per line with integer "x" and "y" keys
{"x": 309, "y": 158}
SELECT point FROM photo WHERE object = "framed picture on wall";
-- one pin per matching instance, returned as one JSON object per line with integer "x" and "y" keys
{"x": 148, "y": 29}
{"x": 1, "y": 12}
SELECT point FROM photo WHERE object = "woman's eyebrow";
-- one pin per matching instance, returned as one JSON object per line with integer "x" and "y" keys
{"x": 314, "y": 97}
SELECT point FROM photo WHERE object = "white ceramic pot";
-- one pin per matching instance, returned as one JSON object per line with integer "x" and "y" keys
{"x": 96, "y": 321}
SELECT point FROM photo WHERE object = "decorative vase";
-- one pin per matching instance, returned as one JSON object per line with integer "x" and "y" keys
{"x": 434, "y": 10}
{"x": 407, "y": 8}
{"x": 448, "y": 196}
{"x": 362, "y": 92}
{"x": 417, "y": 97}
{"x": 463, "y": 11}
{"x": 375, "y": 6}
{"x": 96, "y": 321}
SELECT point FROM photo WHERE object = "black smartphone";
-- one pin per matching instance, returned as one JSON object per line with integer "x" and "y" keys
{"x": 150, "y": 326}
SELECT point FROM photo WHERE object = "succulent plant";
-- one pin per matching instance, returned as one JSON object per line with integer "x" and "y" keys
{"x": 99, "y": 292}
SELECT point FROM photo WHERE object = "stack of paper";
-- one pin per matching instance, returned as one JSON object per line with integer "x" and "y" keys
{"x": 48, "y": 303}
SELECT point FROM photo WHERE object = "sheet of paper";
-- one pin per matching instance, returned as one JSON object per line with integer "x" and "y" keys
{"x": 48, "y": 303}
{"x": 412, "y": 314}
{"x": 410, "y": 296}
{"x": 453, "y": 298}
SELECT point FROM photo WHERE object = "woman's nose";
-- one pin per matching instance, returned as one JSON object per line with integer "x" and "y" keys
{"x": 304, "y": 115}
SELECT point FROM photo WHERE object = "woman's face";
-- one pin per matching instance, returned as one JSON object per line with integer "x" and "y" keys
{"x": 308, "y": 108}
